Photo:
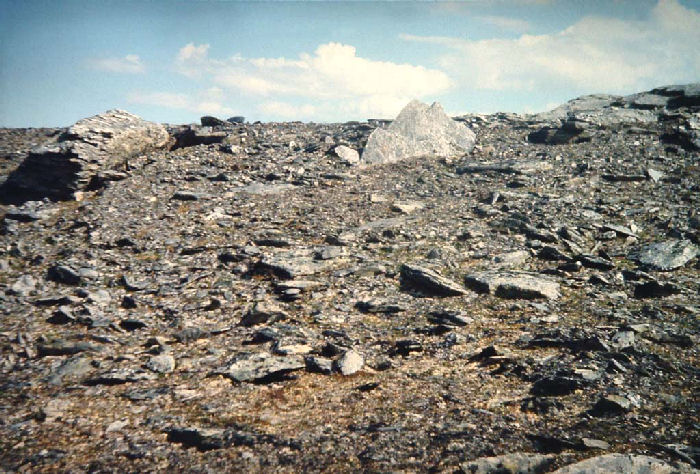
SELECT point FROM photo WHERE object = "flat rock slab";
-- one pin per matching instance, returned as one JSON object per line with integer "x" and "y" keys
{"x": 513, "y": 285}
{"x": 418, "y": 130}
{"x": 295, "y": 263}
{"x": 261, "y": 367}
{"x": 429, "y": 281}
{"x": 514, "y": 463}
{"x": 88, "y": 147}
{"x": 627, "y": 463}
{"x": 666, "y": 256}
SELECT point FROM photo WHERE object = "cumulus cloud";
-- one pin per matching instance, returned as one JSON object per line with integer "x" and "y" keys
{"x": 333, "y": 77}
{"x": 191, "y": 59}
{"x": 129, "y": 64}
{"x": 208, "y": 102}
{"x": 594, "y": 54}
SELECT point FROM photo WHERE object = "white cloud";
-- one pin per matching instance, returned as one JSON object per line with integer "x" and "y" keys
{"x": 506, "y": 23}
{"x": 206, "y": 102}
{"x": 191, "y": 59}
{"x": 129, "y": 64}
{"x": 594, "y": 54}
{"x": 334, "y": 78}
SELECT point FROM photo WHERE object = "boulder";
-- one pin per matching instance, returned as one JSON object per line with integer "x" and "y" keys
{"x": 418, "y": 130}
{"x": 628, "y": 463}
{"x": 88, "y": 147}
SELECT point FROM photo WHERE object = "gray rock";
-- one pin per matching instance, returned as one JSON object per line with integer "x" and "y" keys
{"x": 406, "y": 207}
{"x": 236, "y": 119}
{"x": 23, "y": 286}
{"x": 204, "y": 439}
{"x": 418, "y": 130}
{"x": 210, "y": 121}
{"x": 514, "y": 463}
{"x": 627, "y": 463}
{"x": 295, "y": 263}
{"x": 73, "y": 367}
{"x": 193, "y": 135}
{"x": 261, "y": 313}
{"x": 161, "y": 364}
{"x": 429, "y": 281}
{"x": 120, "y": 376}
{"x": 611, "y": 405}
{"x": 320, "y": 365}
{"x": 186, "y": 196}
{"x": 513, "y": 285}
{"x": 666, "y": 256}
{"x": 349, "y": 363}
{"x": 63, "y": 274}
{"x": 347, "y": 155}
{"x": 91, "y": 145}
{"x": 261, "y": 367}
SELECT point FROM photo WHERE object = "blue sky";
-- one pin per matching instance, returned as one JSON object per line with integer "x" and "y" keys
{"x": 173, "y": 61}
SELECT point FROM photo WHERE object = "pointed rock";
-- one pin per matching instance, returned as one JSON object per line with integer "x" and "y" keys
{"x": 418, "y": 130}
{"x": 429, "y": 281}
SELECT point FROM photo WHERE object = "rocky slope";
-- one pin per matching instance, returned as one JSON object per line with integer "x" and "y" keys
{"x": 247, "y": 297}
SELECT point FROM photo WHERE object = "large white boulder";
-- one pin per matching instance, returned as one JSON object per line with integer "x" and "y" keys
{"x": 418, "y": 130}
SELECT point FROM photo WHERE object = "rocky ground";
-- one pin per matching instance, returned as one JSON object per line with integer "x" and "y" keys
{"x": 247, "y": 300}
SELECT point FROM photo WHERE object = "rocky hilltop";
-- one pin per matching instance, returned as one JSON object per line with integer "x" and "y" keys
{"x": 484, "y": 294}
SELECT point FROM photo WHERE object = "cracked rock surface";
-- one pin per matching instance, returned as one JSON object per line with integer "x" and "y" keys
{"x": 247, "y": 298}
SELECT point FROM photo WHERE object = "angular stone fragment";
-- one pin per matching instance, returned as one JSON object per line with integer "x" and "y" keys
{"x": 91, "y": 145}
{"x": 513, "y": 285}
{"x": 428, "y": 281}
{"x": 513, "y": 463}
{"x": 204, "y": 439}
{"x": 611, "y": 405}
{"x": 627, "y": 463}
{"x": 349, "y": 363}
{"x": 347, "y": 155}
{"x": 263, "y": 313}
{"x": 261, "y": 367}
{"x": 63, "y": 274}
{"x": 418, "y": 130}
{"x": 161, "y": 364}
{"x": 294, "y": 263}
{"x": 666, "y": 256}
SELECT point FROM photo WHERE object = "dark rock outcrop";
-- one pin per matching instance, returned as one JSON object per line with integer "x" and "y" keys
{"x": 91, "y": 145}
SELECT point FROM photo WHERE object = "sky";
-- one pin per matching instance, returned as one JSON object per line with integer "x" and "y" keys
{"x": 331, "y": 61}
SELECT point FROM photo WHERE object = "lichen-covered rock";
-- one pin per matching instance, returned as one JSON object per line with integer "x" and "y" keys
{"x": 418, "y": 130}
{"x": 94, "y": 144}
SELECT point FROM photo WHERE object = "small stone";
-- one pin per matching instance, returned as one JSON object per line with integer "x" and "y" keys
{"x": 349, "y": 363}
{"x": 63, "y": 274}
{"x": 666, "y": 256}
{"x": 161, "y": 364}
{"x": 261, "y": 367}
{"x": 186, "y": 196}
{"x": 262, "y": 313}
{"x": 429, "y": 281}
{"x": 655, "y": 289}
{"x": 513, "y": 285}
{"x": 23, "y": 286}
{"x": 320, "y": 365}
{"x": 611, "y": 405}
{"x": 347, "y": 155}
